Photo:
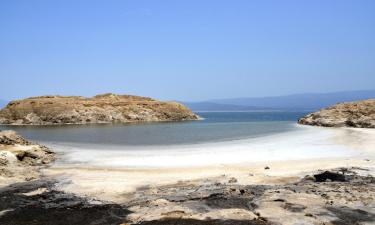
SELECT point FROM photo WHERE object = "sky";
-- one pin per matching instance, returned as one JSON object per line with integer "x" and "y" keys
{"x": 187, "y": 50}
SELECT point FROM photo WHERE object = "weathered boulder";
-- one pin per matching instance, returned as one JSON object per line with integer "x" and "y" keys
{"x": 351, "y": 114}
{"x": 330, "y": 176}
{"x": 106, "y": 108}
{"x": 21, "y": 159}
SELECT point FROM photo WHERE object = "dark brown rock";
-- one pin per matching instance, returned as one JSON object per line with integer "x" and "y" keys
{"x": 330, "y": 176}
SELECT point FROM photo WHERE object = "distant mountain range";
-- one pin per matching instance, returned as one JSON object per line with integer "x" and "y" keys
{"x": 211, "y": 106}
{"x": 308, "y": 102}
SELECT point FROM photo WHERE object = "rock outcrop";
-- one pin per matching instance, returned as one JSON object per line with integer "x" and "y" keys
{"x": 352, "y": 114}
{"x": 106, "y": 108}
{"x": 21, "y": 159}
{"x": 339, "y": 196}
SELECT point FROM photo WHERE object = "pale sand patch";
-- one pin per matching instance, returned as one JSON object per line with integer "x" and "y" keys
{"x": 111, "y": 184}
{"x": 360, "y": 139}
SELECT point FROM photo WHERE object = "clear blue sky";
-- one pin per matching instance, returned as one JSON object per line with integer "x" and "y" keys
{"x": 185, "y": 50}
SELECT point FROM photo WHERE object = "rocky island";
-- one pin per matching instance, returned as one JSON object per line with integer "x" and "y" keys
{"x": 351, "y": 114}
{"x": 105, "y": 108}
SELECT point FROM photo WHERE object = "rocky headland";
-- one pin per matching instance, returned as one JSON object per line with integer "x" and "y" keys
{"x": 105, "y": 108}
{"x": 359, "y": 114}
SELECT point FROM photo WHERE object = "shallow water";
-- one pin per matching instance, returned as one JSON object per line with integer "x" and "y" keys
{"x": 220, "y": 139}
{"x": 300, "y": 143}
{"x": 216, "y": 126}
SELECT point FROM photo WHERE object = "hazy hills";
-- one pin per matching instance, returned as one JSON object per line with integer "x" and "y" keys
{"x": 309, "y": 101}
{"x": 211, "y": 106}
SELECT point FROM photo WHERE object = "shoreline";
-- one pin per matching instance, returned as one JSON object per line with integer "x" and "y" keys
{"x": 109, "y": 183}
{"x": 98, "y": 123}
{"x": 303, "y": 143}
{"x": 91, "y": 179}
{"x": 258, "y": 193}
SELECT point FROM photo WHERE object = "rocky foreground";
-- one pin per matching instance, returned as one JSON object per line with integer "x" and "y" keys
{"x": 106, "y": 108}
{"x": 20, "y": 159}
{"x": 341, "y": 196}
{"x": 352, "y": 114}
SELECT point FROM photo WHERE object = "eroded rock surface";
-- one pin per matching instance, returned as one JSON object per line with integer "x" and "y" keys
{"x": 24, "y": 203}
{"x": 340, "y": 196}
{"x": 21, "y": 159}
{"x": 351, "y": 114}
{"x": 106, "y": 108}
{"x": 307, "y": 201}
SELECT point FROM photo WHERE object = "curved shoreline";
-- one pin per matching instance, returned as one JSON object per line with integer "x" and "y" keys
{"x": 300, "y": 144}
{"x": 107, "y": 182}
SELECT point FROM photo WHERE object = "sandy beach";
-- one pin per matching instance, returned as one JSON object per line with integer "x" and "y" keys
{"x": 108, "y": 173}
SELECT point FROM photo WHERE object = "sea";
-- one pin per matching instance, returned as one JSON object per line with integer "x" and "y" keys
{"x": 213, "y": 127}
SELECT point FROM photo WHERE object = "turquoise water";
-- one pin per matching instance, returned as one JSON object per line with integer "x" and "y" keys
{"x": 216, "y": 126}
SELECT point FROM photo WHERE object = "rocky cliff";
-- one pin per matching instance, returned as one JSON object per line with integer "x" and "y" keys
{"x": 106, "y": 108}
{"x": 351, "y": 114}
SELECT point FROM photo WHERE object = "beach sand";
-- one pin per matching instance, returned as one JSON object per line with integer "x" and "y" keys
{"x": 151, "y": 190}
{"x": 105, "y": 178}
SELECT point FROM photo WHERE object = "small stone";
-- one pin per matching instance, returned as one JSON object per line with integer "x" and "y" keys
{"x": 267, "y": 168}
{"x": 232, "y": 180}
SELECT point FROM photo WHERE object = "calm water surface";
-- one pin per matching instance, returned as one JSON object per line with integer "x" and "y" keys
{"x": 216, "y": 126}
